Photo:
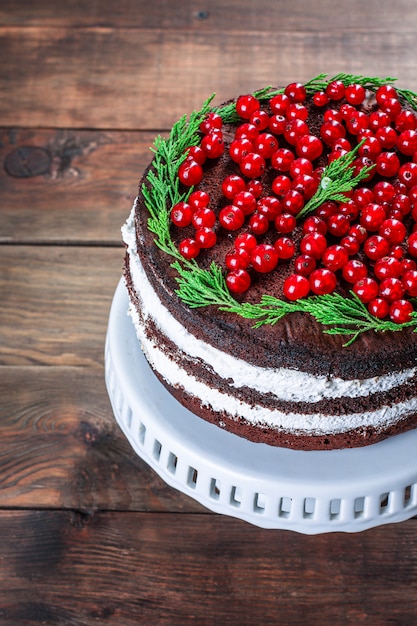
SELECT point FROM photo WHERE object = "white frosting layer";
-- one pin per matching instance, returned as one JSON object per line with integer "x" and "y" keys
{"x": 284, "y": 383}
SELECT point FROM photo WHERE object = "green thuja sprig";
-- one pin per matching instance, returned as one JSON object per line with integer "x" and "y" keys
{"x": 198, "y": 287}
{"x": 338, "y": 178}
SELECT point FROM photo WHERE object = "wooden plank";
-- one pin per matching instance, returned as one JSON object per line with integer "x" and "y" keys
{"x": 55, "y": 303}
{"x": 317, "y": 15}
{"x": 69, "y": 186}
{"x": 146, "y": 79}
{"x": 137, "y": 569}
{"x": 60, "y": 447}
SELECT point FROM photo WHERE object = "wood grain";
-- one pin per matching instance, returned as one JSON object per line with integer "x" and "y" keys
{"x": 69, "y": 186}
{"x": 234, "y": 15}
{"x": 146, "y": 79}
{"x": 60, "y": 447}
{"x": 107, "y": 568}
{"x": 55, "y": 303}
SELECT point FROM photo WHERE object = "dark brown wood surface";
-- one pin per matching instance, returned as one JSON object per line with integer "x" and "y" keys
{"x": 88, "y": 533}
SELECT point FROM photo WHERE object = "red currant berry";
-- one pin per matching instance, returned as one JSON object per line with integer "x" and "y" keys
{"x": 384, "y": 92}
{"x": 387, "y": 164}
{"x": 409, "y": 281}
{"x": 239, "y": 148}
{"x": 260, "y": 119}
{"x": 378, "y": 307}
{"x": 255, "y": 187}
{"x": 231, "y": 217}
{"x": 245, "y": 201}
{"x": 211, "y": 122}
{"x": 294, "y": 130}
{"x": 269, "y": 206}
{"x": 245, "y": 241}
{"x": 296, "y": 92}
{"x": 354, "y": 271}
{"x": 252, "y": 165}
{"x": 357, "y": 122}
{"x": 412, "y": 244}
{"x": 407, "y": 174}
{"x": 296, "y": 286}
{"x": 370, "y": 148}
{"x": 313, "y": 244}
{"x": 281, "y": 185}
{"x": 196, "y": 154}
{"x": 198, "y": 199}
{"x": 304, "y": 264}
{"x": 285, "y": 223}
{"x": 327, "y": 209}
{"x": 239, "y": 259}
{"x": 384, "y": 191}
{"x": 279, "y": 103}
{"x": 335, "y": 90}
{"x": 293, "y": 202}
{"x": 258, "y": 224}
{"x": 314, "y": 224}
{"x": 204, "y": 217}
{"x": 387, "y": 137}
{"x": 300, "y": 166}
{"x": 338, "y": 225}
{"x": 392, "y": 107}
{"x": 264, "y": 258}
{"x": 320, "y": 99}
{"x": 238, "y": 281}
{"x": 393, "y": 230}
{"x": 363, "y": 196}
{"x": 350, "y": 244}
{"x": 400, "y": 311}
{"x": 408, "y": 265}
{"x": 375, "y": 247}
{"x": 407, "y": 142}
{"x": 349, "y": 209}
{"x": 281, "y": 159}
{"x": 335, "y": 257}
{"x": 366, "y": 289}
{"x": 297, "y": 111}
{"x": 189, "y": 248}
{"x": 247, "y": 105}
{"x": 331, "y": 131}
{"x": 406, "y": 120}
{"x": 247, "y": 131}
{"x": 205, "y": 237}
{"x": 355, "y": 94}
{"x": 181, "y": 214}
{"x": 306, "y": 185}
{"x": 285, "y": 247}
{"x": 378, "y": 119}
{"x": 309, "y": 146}
{"x": 322, "y": 281}
{"x": 358, "y": 232}
{"x": 373, "y": 215}
{"x": 401, "y": 203}
{"x": 277, "y": 124}
{"x": 387, "y": 267}
{"x": 265, "y": 145}
{"x": 190, "y": 173}
{"x": 391, "y": 289}
{"x": 213, "y": 145}
{"x": 232, "y": 185}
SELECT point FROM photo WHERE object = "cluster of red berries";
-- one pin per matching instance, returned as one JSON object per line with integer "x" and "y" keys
{"x": 369, "y": 241}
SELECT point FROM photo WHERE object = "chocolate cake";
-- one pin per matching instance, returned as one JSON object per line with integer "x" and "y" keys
{"x": 271, "y": 263}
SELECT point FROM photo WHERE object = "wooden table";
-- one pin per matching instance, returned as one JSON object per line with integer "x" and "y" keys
{"x": 88, "y": 533}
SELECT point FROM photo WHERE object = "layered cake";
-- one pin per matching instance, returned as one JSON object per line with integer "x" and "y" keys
{"x": 271, "y": 263}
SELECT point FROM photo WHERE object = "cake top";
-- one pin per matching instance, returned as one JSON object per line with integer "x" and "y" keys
{"x": 300, "y": 199}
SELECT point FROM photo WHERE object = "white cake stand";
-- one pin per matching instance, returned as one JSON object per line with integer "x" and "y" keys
{"x": 309, "y": 492}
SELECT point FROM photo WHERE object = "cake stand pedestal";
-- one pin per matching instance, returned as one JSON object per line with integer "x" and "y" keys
{"x": 309, "y": 492}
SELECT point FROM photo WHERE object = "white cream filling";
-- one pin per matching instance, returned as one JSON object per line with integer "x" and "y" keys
{"x": 286, "y": 384}
{"x": 308, "y": 424}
